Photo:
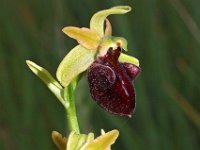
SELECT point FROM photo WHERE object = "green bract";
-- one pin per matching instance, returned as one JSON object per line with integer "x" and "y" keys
{"x": 64, "y": 95}
{"x": 47, "y": 78}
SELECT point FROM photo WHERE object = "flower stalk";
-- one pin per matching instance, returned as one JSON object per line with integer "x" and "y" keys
{"x": 72, "y": 120}
{"x": 93, "y": 43}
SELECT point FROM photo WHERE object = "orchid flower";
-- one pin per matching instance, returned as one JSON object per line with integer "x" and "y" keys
{"x": 101, "y": 54}
{"x": 93, "y": 42}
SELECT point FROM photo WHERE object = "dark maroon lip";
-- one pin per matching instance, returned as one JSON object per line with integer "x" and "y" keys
{"x": 110, "y": 83}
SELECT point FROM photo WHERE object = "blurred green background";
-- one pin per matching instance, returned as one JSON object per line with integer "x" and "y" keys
{"x": 163, "y": 34}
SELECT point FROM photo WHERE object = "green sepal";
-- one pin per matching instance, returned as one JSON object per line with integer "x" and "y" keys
{"x": 74, "y": 63}
{"x": 128, "y": 59}
{"x": 97, "y": 20}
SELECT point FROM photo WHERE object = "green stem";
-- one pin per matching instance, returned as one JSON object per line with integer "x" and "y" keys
{"x": 71, "y": 110}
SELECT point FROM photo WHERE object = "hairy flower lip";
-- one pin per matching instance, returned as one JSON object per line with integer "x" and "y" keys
{"x": 110, "y": 83}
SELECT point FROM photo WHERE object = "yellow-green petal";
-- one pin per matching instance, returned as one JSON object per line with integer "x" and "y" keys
{"x": 108, "y": 29}
{"x": 74, "y": 63}
{"x": 87, "y": 38}
{"x": 129, "y": 59}
{"x": 104, "y": 141}
{"x": 97, "y": 20}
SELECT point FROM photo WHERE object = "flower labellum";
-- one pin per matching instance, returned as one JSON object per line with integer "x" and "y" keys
{"x": 110, "y": 83}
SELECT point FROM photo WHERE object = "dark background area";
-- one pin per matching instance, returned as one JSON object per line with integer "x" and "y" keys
{"x": 163, "y": 34}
